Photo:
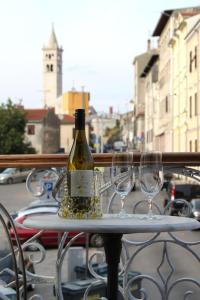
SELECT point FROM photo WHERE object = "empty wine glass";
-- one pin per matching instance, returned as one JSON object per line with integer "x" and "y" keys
{"x": 122, "y": 176}
{"x": 151, "y": 177}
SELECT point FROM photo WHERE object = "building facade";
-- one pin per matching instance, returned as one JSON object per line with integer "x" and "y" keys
{"x": 66, "y": 132}
{"x": 100, "y": 123}
{"x": 172, "y": 122}
{"x": 150, "y": 74}
{"x": 139, "y": 97}
{"x": 43, "y": 130}
{"x": 164, "y": 30}
{"x": 48, "y": 133}
{"x": 127, "y": 129}
{"x": 192, "y": 40}
{"x": 139, "y": 92}
{"x": 68, "y": 102}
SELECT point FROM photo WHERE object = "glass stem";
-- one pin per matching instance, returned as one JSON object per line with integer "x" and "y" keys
{"x": 150, "y": 212}
{"x": 122, "y": 203}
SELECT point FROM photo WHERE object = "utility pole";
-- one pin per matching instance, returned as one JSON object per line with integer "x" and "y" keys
{"x": 83, "y": 97}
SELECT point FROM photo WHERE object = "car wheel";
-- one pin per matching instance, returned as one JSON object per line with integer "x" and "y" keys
{"x": 10, "y": 181}
{"x": 96, "y": 240}
{"x": 32, "y": 247}
{"x": 29, "y": 266}
{"x": 31, "y": 286}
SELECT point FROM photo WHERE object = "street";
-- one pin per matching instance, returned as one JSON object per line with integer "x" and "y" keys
{"x": 147, "y": 260}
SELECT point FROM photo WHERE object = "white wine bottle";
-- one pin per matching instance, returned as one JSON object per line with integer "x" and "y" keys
{"x": 80, "y": 168}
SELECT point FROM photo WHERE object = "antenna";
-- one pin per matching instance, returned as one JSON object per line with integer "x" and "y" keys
{"x": 73, "y": 86}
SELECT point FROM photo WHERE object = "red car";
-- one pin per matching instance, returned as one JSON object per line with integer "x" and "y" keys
{"x": 49, "y": 238}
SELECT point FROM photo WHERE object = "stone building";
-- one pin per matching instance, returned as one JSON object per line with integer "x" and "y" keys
{"x": 150, "y": 74}
{"x": 43, "y": 130}
{"x": 139, "y": 97}
{"x": 173, "y": 83}
{"x": 66, "y": 132}
{"x": 52, "y": 71}
{"x": 192, "y": 108}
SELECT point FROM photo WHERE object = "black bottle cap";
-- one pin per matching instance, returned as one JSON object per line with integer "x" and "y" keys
{"x": 80, "y": 118}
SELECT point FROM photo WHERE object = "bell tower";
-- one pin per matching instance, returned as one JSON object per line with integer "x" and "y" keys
{"x": 52, "y": 71}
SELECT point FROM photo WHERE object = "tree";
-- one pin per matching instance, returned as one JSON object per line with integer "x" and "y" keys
{"x": 12, "y": 130}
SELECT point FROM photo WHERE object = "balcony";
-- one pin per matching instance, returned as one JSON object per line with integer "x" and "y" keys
{"x": 139, "y": 110}
{"x": 162, "y": 274}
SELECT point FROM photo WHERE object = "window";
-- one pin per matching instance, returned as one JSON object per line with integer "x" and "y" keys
{"x": 195, "y": 57}
{"x": 51, "y": 68}
{"x": 195, "y": 105}
{"x": 190, "y": 146}
{"x": 31, "y": 129}
{"x": 190, "y": 106}
{"x": 190, "y": 66}
{"x": 196, "y": 146}
{"x": 47, "y": 68}
{"x": 166, "y": 105}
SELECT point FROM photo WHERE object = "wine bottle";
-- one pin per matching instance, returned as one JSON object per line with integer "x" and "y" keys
{"x": 80, "y": 169}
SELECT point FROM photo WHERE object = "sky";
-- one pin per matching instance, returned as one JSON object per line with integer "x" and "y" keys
{"x": 100, "y": 39}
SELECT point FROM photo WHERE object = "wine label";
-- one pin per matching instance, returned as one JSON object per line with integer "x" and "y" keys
{"x": 82, "y": 183}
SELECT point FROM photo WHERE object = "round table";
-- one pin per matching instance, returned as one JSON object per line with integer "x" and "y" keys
{"x": 112, "y": 229}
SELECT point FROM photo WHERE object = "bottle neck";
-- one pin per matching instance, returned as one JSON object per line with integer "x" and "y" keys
{"x": 80, "y": 123}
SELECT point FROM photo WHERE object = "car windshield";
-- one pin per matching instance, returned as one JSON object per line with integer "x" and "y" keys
{"x": 8, "y": 171}
{"x": 197, "y": 204}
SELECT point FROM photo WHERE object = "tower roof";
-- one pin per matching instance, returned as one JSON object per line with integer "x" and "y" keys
{"x": 52, "y": 43}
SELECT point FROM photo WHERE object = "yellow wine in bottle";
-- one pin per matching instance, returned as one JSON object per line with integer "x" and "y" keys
{"x": 80, "y": 168}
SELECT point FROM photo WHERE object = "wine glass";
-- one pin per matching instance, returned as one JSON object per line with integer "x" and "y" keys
{"x": 122, "y": 176}
{"x": 151, "y": 177}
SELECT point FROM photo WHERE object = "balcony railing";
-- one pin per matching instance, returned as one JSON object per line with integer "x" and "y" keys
{"x": 179, "y": 163}
{"x": 139, "y": 110}
{"x": 101, "y": 160}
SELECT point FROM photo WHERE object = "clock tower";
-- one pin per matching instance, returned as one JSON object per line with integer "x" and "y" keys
{"x": 52, "y": 71}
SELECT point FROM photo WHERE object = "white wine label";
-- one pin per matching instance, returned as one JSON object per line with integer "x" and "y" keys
{"x": 82, "y": 183}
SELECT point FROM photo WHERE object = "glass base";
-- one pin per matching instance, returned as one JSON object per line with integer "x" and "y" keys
{"x": 151, "y": 217}
{"x": 123, "y": 214}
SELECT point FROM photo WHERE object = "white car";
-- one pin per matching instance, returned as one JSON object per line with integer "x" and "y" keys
{"x": 195, "y": 203}
{"x": 11, "y": 175}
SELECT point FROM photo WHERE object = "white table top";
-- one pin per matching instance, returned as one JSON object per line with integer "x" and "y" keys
{"x": 110, "y": 223}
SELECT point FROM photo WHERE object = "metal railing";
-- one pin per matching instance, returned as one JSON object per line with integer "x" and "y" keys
{"x": 179, "y": 163}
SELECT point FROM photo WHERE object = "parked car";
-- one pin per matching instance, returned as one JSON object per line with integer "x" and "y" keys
{"x": 49, "y": 238}
{"x": 107, "y": 148}
{"x": 178, "y": 192}
{"x": 195, "y": 203}
{"x": 119, "y": 146}
{"x": 11, "y": 175}
{"x": 7, "y": 292}
{"x": 5, "y": 262}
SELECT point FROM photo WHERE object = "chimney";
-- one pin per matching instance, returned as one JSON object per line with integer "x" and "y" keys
{"x": 19, "y": 106}
{"x": 110, "y": 110}
{"x": 148, "y": 44}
